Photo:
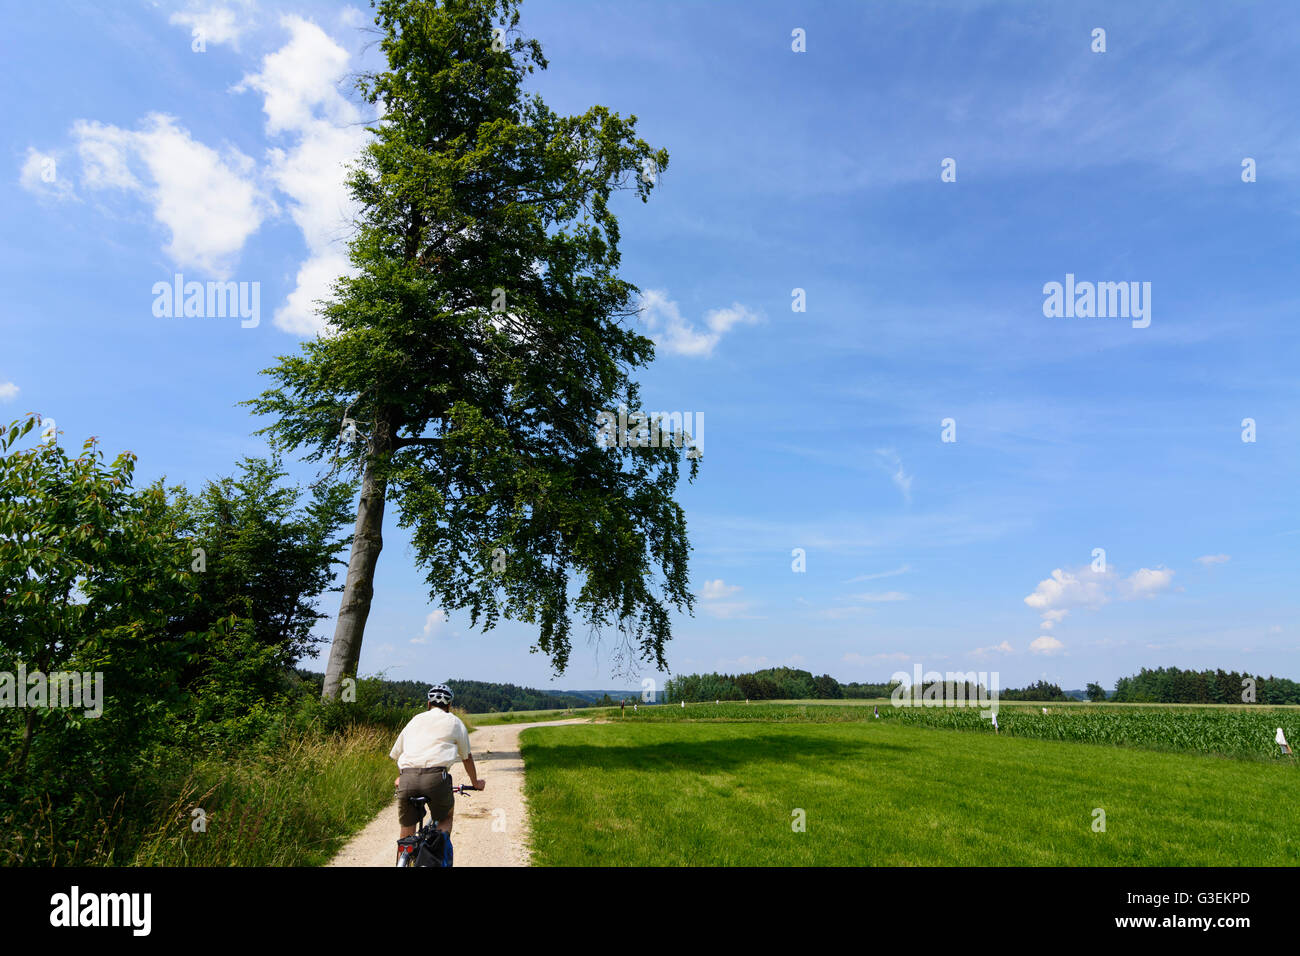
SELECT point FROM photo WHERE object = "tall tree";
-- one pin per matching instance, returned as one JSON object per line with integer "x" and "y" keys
{"x": 466, "y": 363}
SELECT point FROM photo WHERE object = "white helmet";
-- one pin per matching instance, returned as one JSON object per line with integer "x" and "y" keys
{"x": 440, "y": 694}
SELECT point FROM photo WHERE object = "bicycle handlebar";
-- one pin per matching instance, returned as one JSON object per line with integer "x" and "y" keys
{"x": 461, "y": 788}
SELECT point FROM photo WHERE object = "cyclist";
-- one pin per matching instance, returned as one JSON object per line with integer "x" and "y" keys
{"x": 424, "y": 752}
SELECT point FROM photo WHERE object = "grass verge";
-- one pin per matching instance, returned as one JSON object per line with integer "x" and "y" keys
{"x": 297, "y": 808}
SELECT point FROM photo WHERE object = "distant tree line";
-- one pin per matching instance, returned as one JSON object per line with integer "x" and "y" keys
{"x": 1165, "y": 685}
{"x": 471, "y": 696}
{"x": 1170, "y": 685}
{"x": 1038, "y": 690}
{"x": 775, "y": 683}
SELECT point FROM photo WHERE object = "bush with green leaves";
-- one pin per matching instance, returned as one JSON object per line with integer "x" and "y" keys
{"x": 93, "y": 574}
{"x": 261, "y": 556}
{"x": 195, "y": 649}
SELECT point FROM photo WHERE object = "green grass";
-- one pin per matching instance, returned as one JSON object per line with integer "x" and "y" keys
{"x": 1228, "y": 731}
{"x": 662, "y": 793}
{"x": 291, "y": 808}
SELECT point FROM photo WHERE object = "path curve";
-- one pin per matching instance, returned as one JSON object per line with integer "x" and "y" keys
{"x": 501, "y": 766}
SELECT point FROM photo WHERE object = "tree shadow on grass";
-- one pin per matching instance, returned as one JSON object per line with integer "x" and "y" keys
{"x": 770, "y": 750}
{"x": 496, "y": 755}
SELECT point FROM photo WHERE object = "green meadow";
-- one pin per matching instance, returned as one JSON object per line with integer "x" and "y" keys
{"x": 683, "y": 792}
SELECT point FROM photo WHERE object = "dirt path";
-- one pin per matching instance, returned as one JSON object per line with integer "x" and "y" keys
{"x": 499, "y": 764}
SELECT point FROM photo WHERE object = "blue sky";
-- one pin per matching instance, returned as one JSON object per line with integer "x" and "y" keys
{"x": 133, "y": 157}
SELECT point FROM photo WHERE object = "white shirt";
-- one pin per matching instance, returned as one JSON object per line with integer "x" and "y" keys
{"x": 434, "y": 738}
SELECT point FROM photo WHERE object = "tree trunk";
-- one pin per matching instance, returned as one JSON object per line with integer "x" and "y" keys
{"x": 359, "y": 588}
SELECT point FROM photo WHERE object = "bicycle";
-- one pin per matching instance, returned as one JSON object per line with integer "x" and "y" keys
{"x": 428, "y": 846}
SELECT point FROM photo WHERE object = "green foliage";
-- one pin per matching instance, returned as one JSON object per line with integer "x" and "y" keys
{"x": 93, "y": 576}
{"x": 99, "y": 578}
{"x": 483, "y": 333}
{"x": 1096, "y": 692}
{"x": 267, "y": 555}
{"x": 260, "y": 557}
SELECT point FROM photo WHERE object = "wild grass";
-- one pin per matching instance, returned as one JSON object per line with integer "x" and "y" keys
{"x": 295, "y": 808}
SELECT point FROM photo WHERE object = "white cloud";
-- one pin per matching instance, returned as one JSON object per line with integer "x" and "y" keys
{"x": 299, "y": 84}
{"x": 671, "y": 331}
{"x": 1046, "y": 644}
{"x": 435, "y": 626}
{"x": 1147, "y": 581}
{"x": 211, "y": 201}
{"x": 208, "y": 201}
{"x": 8, "y": 391}
{"x": 712, "y": 595}
{"x": 103, "y": 150}
{"x": 1211, "y": 559}
{"x": 216, "y": 23}
{"x": 299, "y": 81}
{"x": 1055, "y": 596}
{"x": 1003, "y": 648}
{"x": 895, "y": 465}
{"x": 713, "y": 590}
{"x": 40, "y": 175}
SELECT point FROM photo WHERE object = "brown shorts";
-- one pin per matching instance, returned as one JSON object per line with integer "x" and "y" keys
{"x": 434, "y": 783}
